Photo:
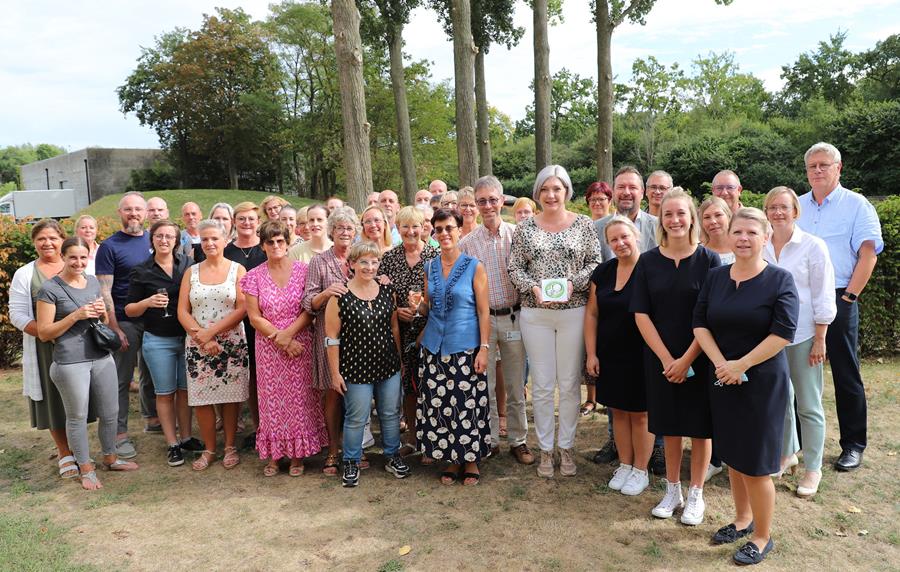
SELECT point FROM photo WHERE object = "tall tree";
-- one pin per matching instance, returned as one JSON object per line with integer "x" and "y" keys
{"x": 542, "y": 151}
{"x": 655, "y": 93}
{"x": 829, "y": 73}
{"x": 382, "y": 23}
{"x": 464, "y": 78}
{"x": 609, "y": 14}
{"x": 348, "y": 47}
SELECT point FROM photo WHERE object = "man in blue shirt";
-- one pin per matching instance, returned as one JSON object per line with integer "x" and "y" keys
{"x": 115, "y": 258}
{"x": 848, "y": 224}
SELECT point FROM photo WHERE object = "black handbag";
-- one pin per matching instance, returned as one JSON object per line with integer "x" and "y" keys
{"x": 104, "y": 336}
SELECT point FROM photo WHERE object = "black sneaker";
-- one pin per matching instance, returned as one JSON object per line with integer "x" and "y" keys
{"x": 607, "y": 454}
{"x": 193, "y": 445}
{"x": 657, "y": 464}
{"x": 398, "y": 467}
{"x": 174, "y": 457}
{"x": 351, "y": 474}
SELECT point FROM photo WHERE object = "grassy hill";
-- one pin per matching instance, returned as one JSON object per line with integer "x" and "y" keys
{"x": 206, "y": 198}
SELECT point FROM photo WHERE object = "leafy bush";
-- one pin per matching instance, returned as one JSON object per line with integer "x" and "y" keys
{"x": 866, "y": 134}
{"x": 879, "y": 320}
{"x": 160, "y": 176}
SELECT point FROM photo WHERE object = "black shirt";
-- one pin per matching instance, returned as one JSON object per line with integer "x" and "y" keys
{"x": 249, "y": 258}
{"x": 146, "y": 279}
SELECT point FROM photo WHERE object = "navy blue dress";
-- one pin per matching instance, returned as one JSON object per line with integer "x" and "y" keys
{"x": 748, "y": 419}
{"x": 667, "y": 294}
{"x": 620, "y": 347}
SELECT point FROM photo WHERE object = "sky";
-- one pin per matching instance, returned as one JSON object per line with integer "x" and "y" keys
{"x": 61, "y": 62}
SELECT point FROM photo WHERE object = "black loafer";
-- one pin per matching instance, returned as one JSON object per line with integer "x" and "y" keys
{"x": 730, "y": 533}
{"x": 607, "y": 454}
{"x": 750, "y": 554}
{"x": 849, "y": 460}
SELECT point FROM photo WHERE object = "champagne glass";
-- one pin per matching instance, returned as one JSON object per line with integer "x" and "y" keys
{"x": 165, "y": 292}
{"x": 415, "y": 298}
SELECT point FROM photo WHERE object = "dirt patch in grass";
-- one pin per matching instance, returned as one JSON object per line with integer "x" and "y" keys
{"x": 173, "y": 519}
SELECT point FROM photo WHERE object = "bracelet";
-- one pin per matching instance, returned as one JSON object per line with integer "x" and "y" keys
{"x": 485, "y": 346}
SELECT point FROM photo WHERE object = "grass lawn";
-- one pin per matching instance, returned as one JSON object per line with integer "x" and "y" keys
{"x": 206, "y": 198}
{"x": 174, "y": 519}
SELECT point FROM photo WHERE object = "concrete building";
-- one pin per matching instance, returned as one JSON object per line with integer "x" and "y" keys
{"x": 93, "y": 172}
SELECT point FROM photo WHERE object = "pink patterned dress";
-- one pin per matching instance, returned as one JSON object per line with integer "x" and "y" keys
{"x": 291, "y": 423}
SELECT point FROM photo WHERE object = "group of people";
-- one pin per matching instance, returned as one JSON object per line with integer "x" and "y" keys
{"x": 706, "y": 323}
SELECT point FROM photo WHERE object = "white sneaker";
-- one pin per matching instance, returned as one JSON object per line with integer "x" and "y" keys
{"x": 619, "y": 477}
{"x": 693, "y": 512}
{"x": 712, "y": 471}
{"x": 368, "y": 438}
{"x": 673, "y": 500}
{"x": 637, "y": 482}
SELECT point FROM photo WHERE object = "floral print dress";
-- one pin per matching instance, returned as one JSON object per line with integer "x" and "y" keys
{"x": 223, "y": 378}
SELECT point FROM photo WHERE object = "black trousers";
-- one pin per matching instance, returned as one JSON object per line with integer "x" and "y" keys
{"x": 842, "y": 342}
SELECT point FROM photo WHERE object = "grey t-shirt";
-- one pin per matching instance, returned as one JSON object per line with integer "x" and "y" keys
{"x": 76, "y": 344}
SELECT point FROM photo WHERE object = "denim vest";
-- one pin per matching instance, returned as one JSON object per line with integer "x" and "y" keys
{"x": 452, "y": 318}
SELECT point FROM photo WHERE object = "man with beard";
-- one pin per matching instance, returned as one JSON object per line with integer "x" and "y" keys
{"x": 115, "y": 259}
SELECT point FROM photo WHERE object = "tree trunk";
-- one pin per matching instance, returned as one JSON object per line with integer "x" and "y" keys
{"x": 348, "y": 49}
{"x": 404, "y": 139}
{"x": 232, "y": 175}
{"x": 542, "y": 152}
{"x": 464, "y": 72}
{"x": 604, "y": 93}
{"x": 485, "y": 166}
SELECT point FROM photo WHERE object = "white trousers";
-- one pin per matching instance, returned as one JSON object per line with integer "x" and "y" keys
{"x": 554, "y": 342}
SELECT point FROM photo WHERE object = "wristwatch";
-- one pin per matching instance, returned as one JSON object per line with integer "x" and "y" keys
{"x": 850, "y": 296}
{"x": 332, "y": 341}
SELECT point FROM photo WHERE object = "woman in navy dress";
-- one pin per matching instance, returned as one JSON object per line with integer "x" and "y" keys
{"x": 615, "y": 355}
{"x": 666, "y": 283}
{"x": 745, "y": 315}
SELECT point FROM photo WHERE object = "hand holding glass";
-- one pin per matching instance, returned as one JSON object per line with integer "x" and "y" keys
{"x": 415, "y": 298}
{"x": 165, "y": 293}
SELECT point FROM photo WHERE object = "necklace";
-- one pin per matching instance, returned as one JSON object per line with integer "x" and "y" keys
{"x": 246, "y": 252}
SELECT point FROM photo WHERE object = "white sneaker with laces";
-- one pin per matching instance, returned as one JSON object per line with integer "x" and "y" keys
{"x": 712, "y": 471}
{"x": 619, "y": 477}
{"x": 673, "y": 500}
{"x": 693, "y": 512}
{"x": 637, "y": 482}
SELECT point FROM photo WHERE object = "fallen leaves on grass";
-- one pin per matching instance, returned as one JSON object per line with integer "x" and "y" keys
{"x": 404, "y": 550}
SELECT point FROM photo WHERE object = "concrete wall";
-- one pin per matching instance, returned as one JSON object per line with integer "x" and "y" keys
{"x": 103, "y": 171}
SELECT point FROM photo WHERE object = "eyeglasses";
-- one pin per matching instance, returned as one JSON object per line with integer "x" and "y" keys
{"x": 369, "y": 263}
{"x": 779, "y": 209}
{"x": 819, "y": 166}
{"x": 725, "y": 188}
{"x": 449, "y": 228}
{"x": 493, "y": 201}
{"x": 246, "y": 218}
{"x": 165, "y": 237}
{"x": 466, "y": 206}
{"x": 372, "y": 222}
{"x": 658, "y": 188}
{"x": 598, "y": 200}
{"x": 449, "y": 204}
{"x": 344, "y": 229}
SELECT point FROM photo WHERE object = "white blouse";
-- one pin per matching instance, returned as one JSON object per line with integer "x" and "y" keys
{"x": 806, "y": 257}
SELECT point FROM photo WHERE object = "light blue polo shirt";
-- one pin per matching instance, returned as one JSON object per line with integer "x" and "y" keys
{"x": 844, "y": 220}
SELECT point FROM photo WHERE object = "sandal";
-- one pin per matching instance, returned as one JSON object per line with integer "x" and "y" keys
{"x": 231, "y": 458}
{"x": 270, "y": 470}
{"x": 90, "y": 482}
{"x": 363, "y": 462}
{"x": 587, "y": 408}
{"x": 296, "y": 470}
{"x": 403, "y": 427}
{"x": 331, "y": 465}
{"x": 120, "y": 465}
{"x": 68, "y": 467}
{"x": 470, "y": 479}
{"x": 448, "y": 477}
{"x": 203, "y": 461}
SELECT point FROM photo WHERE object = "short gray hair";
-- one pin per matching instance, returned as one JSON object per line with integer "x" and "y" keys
{"x": 212, "y": 223}
{"x": 343, "y": 214}
{"x": 489, "y": 181}
{"x": 557, "y": 171}
{"x": 661, "y": 173}
{"x": 822, "y": 147}
{"x": 131, "y": 194}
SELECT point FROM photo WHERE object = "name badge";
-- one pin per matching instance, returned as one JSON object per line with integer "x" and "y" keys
{"x": 514, "y": 336}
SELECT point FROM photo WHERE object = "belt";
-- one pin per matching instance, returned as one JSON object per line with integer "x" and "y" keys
{"x": 505, "y": 311}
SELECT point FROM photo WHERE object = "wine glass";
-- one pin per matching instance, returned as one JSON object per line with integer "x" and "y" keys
{"x": 415, "y": 298}
{"x": 165, "y": 292}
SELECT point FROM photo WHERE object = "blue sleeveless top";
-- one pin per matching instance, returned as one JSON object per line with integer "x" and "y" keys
{"x": 452, "y": 318}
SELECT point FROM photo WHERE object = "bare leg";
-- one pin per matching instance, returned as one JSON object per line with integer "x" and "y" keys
{"x": 165, "y": 408}
{"x": 183, "y": 411}
{"x": 230, "y": 413}
{"x": 61, "y": 442}
{"x": 743, "y": 515}
{"x": 673, "y": 458}
{"x": 409, "y": 411}
{"x": 592, "y": 396}
{"x": 701, "y": 451}
{"x": 761, "y": 491}
{"x": 641, "y": 438}
{"x": 622, "y": 436}
{"x": 206, "y": 420}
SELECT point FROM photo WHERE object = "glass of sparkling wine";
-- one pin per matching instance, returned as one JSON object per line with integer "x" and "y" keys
{"x": 415, "y": 298}
{"x": 166, "y": 313}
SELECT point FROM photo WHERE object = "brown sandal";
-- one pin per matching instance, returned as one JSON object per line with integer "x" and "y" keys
{"x": 231, "y": 458}
{"x": 331, "y": 465}
{"x": 203, "y": 461}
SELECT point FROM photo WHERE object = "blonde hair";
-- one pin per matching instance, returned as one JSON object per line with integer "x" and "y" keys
{"x": 246, "y": 206}
{"x": 524, "y": 201}
{"x": 448, "y": 196}
{"x": 624, "y": 221}
{"x": 410, "y": 215}
{"x": 268, "y": 201}
{"x": 712, "y": 202}
{"x": 363, "y": 248}
{"x": 386, "y": 239}
{"x": 795, "y": 202}
{"x": 752, "y": 214}
{"x": 467, "y": 192}
{"x": 662, "y": 236}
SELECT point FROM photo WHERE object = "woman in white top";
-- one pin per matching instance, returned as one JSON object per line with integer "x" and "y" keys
{"x": 715, "y": 216}
{"x": 318, "y": 242}
{"x": 807, "y": 259}
{"x": 86, "y": 228}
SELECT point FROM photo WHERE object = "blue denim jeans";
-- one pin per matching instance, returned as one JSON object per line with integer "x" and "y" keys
{"x": 164, "y": 357}
{"x": 357, "y": 405}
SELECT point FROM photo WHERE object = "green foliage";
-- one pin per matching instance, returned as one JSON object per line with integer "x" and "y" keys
{"x": 160, "y": 176}
{"x": 16, "y": 250}
{"x": 879, "y": 311}
{"x": 866, "y": 134}
{"x": 880, "y": 71}
{"x": 573, "y": 108}
{"x": 829, "y": 73}
{"x": 13, "y": 157}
